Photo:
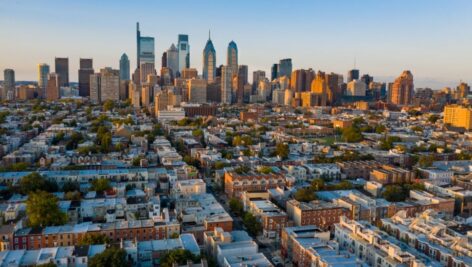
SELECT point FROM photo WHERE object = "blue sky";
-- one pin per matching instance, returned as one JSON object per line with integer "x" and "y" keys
{"x": 430, "y": 37}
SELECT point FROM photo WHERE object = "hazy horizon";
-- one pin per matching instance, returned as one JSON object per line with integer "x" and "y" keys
{"x": 383, "y": 37}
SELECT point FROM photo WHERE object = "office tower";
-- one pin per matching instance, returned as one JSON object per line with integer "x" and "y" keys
{"x": 238, "y": 89}
{"x": 85, "y": 70}
{"x": 124, "y": 68}
{"x": 243, "y": 73}
{"x": 378, "y": 90}
{"x": 8, "y": 92}
{"x": 62, "y": 69}
{"x": 26, "y": 92}
{"x": 274, "y": 72}
{"x": 214, "y": 91}
{"x": 144, "y": 70}
{"x": 352, "y": 75}
{"x": 164, "y": 60}
{"x": 124, "y": 89}
{"x": 105, "y": 85}
{"x": 319, "y": 87}
{"x": 209, "y": 61}
{"x": 367, "y": 79}
{"x": 334, "y": 84}
{"x": 146, "y": 94}
{"x": 145, "y": 48}
{"x": 232, "y": 57}
{"x": 264, "y": 89}
{"x": 184, "y": 52}
{"x": 300, "y": 80}
{"x": 218, "y": 71}
{"x": 166, "y": 76}
{"x": 257, "y": 76}
{"x": 285, "y": 67}
{"x": 135, "y": 94}
{"x": 173, "y": 60}
{"x": 356, "y": 88}
{"x": 43, "y": 72}
{"x": 53, "y": 87}
{"x": 458, "y": 116}
{"x": 226, "y": 82}
{"x": 189, "y": 73}
{"x": 462, "y": 91}
{"x": 197, "y": 91}
{"x": 402, "y": 89}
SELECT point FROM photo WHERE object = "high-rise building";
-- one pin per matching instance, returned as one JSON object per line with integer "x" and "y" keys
{"x": 402, "y": 89}
{"x": 9, "y": 91}
{"x": 184, "y": 52}
{"x": 85, "y": 70}
{"x": 105, "y": 85}
{"x": 301, "y": 79}
{"x": 285, "y": 67}
{"x": 53, "y": 87}
{"x": 334, "y": 84}
{"x": 62, "y": 69}
{"x": 319, "y": 87}
{"x": 462, "y": 91}
{"x": 257, "y": 76}
{"x": 144, "y": 70}
{"x": 356, "y": 88}
{"x": 238, "y": 89}
{"x": 352, "y": 75}
{"x": 367, "y": 79}
{"x": 189, "y": 73}
{"x": 226, "y": 82}
{"x": 274, "y": 72}
{"x": 209, "y": 61}
{"x": 173, "y": 60}
{"x": 197, "y": 91}
{"x": 43, "y": 72}
{"x": 164, "y": 60}
{"x": 232, "y": 57}
{"x": 124, "y": 68}
{"x": 458, "y": 116}
{"x": 243, "y": 73}
{"x": 145, "y": 48}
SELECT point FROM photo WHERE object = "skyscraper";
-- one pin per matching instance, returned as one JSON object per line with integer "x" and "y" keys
{"x": 173, "y": 60}
{"x": 402, "y": 89}
{"x": 352, "y": 75}
{"x": 197, "y": 91}
{"x": 301, "y": 79}
{"x": 124, "y": 68}
{"x": 367, "y": 79}
{"x": 43, "y": 72}
{"x": 274, "y": 72}
{"x": 53, "y": 87}
{"x": 226, "y": 81}
{"x": 243, "y": 73}
{"x": 85, "y": 70}
{"x": 462, "y": 90}
{"x": 164, "y": 60}
{"x": 8, "y": 85}
{"x": 184, "y": 52}
{"x": 232, "y": 57}
{"x": 145, "y": 48}
{"x": 209, "y": 61}
{"x": 62, "y": 69}
{"x": 145, "y": 70}
{"x": 319, "y": 87}
{"x": 257, "y": 76}
{"x": 285, "y": 67}
{"x": 105, "y": 85}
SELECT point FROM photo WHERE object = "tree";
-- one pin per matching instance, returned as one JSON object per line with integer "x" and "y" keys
{"x": 317, "y": 184}
{"x": 70, "y": 186}
{"x": 394, "y": 193}
{"x": 108, "y": 105}
{"x": 111, "y": 257}
{"x": 426, "y": 161}
{"x": 236, "y": 206}
{"x": 352, "y": 135}
{"x": 433, "y": 118}
{"x": 282, "y": 150}
{"x": 380, "y": 128}
{"x": 179, "y": 256}
{"x": 73, "y": 195}
{"x": 219, "y": 165}
{"x": 305, "y": 195}
{"x": 94, "y": 239}
{"x": 42, "y": 209}
{"x": 253, "y": 226}
{"x": 34, "y": 182}
{"x": 100, "y": 185}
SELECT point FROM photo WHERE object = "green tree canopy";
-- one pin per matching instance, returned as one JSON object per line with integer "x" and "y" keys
{"x": 179, "y": 256}
{"x": 282, "y": 150}
{"x": 42, "y": 209}
{"x": 34, "y": 182}
{"x": 94, "y": 239}
{"x": 100, "y": 185}
{"x": 111, "y": 257}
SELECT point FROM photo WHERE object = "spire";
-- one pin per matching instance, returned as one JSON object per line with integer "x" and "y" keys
{"x": 209, "y": 35}
{"x": 137, "y": 26}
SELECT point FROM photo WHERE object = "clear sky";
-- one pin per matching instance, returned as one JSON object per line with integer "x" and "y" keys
{"x": 432, "y": 38}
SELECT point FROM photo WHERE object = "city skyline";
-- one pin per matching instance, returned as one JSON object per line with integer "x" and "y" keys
{"x": 434, "y": 51}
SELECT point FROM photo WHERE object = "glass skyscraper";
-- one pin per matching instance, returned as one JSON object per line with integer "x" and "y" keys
{"x": 232, "y": 57}
{"x": 285, "y": 67}
{"x": 209, "y": 61}
{"x": 43, "y": 72}
{"x": 184, "y": 52}
{"x": 145, "y": 48}
{"x": 124, "y": 68}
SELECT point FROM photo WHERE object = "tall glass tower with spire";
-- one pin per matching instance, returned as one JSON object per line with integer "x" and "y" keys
{"x": 209, "y": 61}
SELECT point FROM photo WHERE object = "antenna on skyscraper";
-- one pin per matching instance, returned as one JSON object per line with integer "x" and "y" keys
{"x": 209, "y": 34}
{"x": 354, "y": 62}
